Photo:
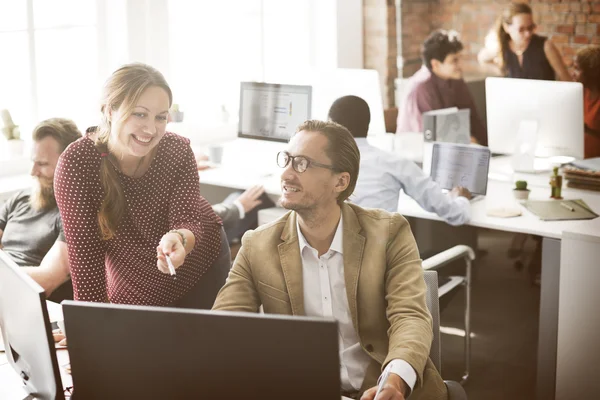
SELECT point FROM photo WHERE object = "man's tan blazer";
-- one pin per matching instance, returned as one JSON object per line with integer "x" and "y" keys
{"x": 384, "y": 284}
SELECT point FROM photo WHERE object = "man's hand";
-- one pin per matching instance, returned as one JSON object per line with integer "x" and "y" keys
{"x": 59, "y": 337}
{"x": 250, "y": 198}
{"x": 461, "y": 191}
{"x": 202, "y": 162}
{"x": 394, "y": 389}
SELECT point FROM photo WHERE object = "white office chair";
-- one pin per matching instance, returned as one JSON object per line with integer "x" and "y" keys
{"x": 442, "y": 259}
{"x": 455, "y": 390}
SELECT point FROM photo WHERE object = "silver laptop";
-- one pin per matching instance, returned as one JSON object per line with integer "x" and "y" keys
{"x": 131, "y": 352}
{"x": 454, "y": 165}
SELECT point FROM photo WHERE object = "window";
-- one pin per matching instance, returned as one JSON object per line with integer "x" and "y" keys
{"x": 213, "y": 46}
{"x": 50, "y": 66}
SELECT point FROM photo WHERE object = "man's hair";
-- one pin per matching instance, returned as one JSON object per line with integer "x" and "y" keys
{"x": 353, "y": 113}
{"x": 588, "y": 59}
{"x": 438, "y": 45}
{"x": 341, "y": 149}
{"x": 63, "y": 130}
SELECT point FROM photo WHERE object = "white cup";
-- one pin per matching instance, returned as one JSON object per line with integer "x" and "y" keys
{"x": 215, "y": 154}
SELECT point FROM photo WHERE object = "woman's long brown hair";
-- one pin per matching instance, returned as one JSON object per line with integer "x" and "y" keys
{"x": 503, "y": 36}
{"x": 122, "y": 90}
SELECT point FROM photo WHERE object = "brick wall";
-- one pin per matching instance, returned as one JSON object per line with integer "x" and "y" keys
{"x": 570, "y": 24}
{"x": 380, "y": 45}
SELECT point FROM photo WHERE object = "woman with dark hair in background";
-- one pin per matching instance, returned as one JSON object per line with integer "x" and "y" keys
{"x": 587, "y": 71}
{"x": 518, "y": 51}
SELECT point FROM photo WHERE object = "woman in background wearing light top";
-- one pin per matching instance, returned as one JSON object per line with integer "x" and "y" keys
{"x": 587, "y": 71}
{"x": 128, "y": 194}
{"x": 518, "y": 51}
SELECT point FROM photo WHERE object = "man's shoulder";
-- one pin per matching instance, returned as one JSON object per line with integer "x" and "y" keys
{"x": 370, "y": 217}
{"x": 80, "y": 152}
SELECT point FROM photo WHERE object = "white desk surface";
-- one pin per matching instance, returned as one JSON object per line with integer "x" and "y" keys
{"x": 500, "y": 195}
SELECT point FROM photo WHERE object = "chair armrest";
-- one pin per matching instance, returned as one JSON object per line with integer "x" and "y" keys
{"x": 455, "y": 391}
{"x": 447, "y": 256}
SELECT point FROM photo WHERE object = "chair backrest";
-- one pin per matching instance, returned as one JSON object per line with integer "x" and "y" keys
{"x": 433, "y": 304}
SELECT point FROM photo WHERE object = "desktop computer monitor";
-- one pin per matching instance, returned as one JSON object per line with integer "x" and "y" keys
{"x": 272, "y": 111}
{"x": 27, "y": 333}
{"x": 546, "y": 115}
{"x": 142, "y": 352}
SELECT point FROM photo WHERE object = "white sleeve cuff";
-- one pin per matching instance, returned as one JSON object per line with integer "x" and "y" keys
{"x": 240, "y": 208}
{"x": 404, "y": 370}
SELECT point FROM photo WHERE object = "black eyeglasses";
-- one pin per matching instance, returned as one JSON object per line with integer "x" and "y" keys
{"x": 299, "y": 163}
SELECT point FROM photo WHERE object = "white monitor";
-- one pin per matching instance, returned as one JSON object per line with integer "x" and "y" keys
{"x": 328, "y": 85}
{"x": 548, "y": 113}
{"x": 272, "y": 111}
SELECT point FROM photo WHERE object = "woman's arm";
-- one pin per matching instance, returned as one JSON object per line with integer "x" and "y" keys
{"x": 556, "y": 61}
{"x": 193, "y": 216}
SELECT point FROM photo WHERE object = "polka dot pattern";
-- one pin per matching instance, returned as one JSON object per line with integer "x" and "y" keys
{"x": 123, "y": 270}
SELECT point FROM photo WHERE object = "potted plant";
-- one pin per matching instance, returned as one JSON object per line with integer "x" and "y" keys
{"x": 176, "y": 114}
{"x": 520, "y": 191}
{"x": 13, "y": 146}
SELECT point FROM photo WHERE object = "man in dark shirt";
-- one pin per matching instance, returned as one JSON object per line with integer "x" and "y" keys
{"x": 439, "y": 84}
{"x": 30, "y": 224}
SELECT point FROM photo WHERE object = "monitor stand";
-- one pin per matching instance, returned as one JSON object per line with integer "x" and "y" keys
{"x": 523, "y": 159}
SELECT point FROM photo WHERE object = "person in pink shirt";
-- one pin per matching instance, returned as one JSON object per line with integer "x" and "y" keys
{"x": 439, "y": 84}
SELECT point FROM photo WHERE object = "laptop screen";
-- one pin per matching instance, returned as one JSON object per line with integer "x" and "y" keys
{"x": 454, "y": 165}
{"x": 272, "y": 111}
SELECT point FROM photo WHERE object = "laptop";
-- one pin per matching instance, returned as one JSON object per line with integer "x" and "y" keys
{"x": 27, "y": 333}
{"x": 465, "y": 165}
{"x": 131, "y": 352}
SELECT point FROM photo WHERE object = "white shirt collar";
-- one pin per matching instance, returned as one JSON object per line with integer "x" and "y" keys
{"x": 361, "y": 142}
{"x": 336, "y": 243}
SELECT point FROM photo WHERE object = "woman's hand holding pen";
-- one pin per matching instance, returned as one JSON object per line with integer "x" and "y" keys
{"x": 170, "y": 245}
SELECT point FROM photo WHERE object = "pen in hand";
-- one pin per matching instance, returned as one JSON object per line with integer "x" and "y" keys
{"x": 171, "y": 266}
{"x": 383, "y": 381}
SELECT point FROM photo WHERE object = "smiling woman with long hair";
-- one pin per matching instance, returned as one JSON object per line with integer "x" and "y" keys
{"x": 518, "y": 51}
{"x": 128, "y": 193}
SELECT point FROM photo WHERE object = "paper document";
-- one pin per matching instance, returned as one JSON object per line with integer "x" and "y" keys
{"x": 454, "y": 165}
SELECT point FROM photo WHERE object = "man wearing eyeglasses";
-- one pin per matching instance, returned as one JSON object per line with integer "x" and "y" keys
{"x": 439, "y": 84}
{"x": 329, "y": 258}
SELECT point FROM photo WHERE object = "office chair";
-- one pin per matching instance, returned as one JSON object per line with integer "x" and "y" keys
{"x": 455, "y": 390}
{"x": 451, "y": 286}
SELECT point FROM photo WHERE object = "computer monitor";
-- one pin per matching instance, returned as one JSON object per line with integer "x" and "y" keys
{"x": 272, "y": 111}
{"x": 544, "y": 114}
{"x": 27, "y": 333}
{"x": 131, "y": 352}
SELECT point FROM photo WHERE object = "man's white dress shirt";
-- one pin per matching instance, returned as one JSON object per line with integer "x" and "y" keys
{"x": 383, "y": 174}
{"x": 325, "y": 296}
